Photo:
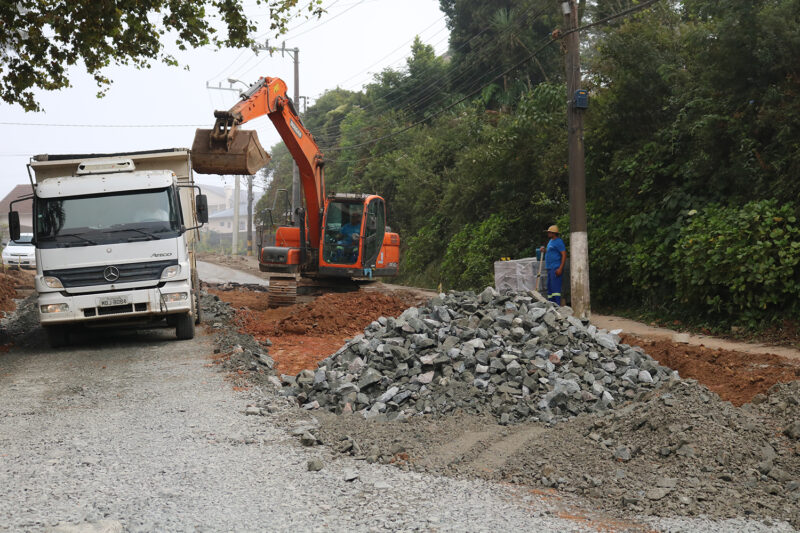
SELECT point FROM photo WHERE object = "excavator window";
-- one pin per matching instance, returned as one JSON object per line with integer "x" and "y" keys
{"x": 342, "y": 233}
{"x": 374, "y": 231}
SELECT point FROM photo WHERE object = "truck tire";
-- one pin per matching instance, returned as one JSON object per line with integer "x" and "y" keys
{"x": 57, "y": 336}
{"x": 184, "y": 326}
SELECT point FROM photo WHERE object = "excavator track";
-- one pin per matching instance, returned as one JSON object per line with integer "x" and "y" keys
{"x": 282, "y": 291}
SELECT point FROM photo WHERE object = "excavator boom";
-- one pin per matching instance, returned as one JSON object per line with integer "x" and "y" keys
{"x": 226, "y": 149}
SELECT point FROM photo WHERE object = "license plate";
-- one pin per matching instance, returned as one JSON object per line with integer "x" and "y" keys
{"x": 107, "y": 302}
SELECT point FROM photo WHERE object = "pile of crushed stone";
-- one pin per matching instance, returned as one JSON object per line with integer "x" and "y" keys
{"x": 513, "y": 355}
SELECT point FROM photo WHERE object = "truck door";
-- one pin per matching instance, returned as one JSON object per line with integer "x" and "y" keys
{"x": 374, "y": 229}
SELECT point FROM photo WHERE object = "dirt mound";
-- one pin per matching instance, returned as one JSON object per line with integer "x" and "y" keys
{"x": 736, "y": 376}
{"x": 333, "y": 314}
{"x": 10, "y": 282}
{"x": 304, "y": 334}
{"x": 252, "y": 300}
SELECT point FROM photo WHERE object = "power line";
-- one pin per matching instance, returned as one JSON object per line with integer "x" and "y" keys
{"x": 52, "y": 125}
{"x": 422, "y": 95}
{"x": 396, "y": 50}
{"x": 318, "y": 25}
{"x": 505, "y": 72}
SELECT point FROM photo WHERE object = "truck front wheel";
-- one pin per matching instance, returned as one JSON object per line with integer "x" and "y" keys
{"x": 184, "y": 326}
{"x": 57, "y": 336}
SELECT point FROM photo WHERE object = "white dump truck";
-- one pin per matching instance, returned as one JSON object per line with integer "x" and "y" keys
{"x": 114, "y": 237}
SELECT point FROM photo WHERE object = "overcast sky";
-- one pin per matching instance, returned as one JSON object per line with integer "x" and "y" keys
{"x": 354, "y": 40}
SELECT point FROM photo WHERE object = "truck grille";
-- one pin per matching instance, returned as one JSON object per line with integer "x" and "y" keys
{"x": 94, "y": 275}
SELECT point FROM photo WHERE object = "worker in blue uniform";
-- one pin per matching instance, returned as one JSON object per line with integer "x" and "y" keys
{"x": 555, "y": 257}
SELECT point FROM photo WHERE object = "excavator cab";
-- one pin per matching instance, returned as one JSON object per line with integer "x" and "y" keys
{"x": 354, "y": 228}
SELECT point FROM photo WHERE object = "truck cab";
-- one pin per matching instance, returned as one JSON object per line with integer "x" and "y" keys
{"x": 114, "y": 239}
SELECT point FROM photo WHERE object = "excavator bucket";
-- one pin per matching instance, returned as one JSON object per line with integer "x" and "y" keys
{"x": 245, "y": 155}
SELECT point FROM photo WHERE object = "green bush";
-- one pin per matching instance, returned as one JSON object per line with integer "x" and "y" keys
{"x": 470, "y": 256}
{"x": 740, "y": 264}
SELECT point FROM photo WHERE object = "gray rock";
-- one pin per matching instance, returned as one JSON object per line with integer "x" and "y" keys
{"x": 307, "y": 439}
{"x": 425, "y": 378}
{"x": 389, "y": 394}
{"x": 606, "y": 341}
{"x": 314, "y": 465}
{"x": 369, "y": 377}
{"x": 622, "y": 453}
{"x": 657, "y": 493}
{"x": 793, "y": 430}
{"x": 513, "y": 368}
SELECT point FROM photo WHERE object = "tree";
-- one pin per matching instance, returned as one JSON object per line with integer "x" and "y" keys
{"x": 40, "y": 40}
{"x": 488, "y": 38}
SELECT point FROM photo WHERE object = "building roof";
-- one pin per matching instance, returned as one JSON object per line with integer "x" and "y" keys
{"x": 19, "y": 191}
{"x": 228, "y": 213}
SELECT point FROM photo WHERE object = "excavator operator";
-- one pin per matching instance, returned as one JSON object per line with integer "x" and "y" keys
{"x": 348, "y": 244}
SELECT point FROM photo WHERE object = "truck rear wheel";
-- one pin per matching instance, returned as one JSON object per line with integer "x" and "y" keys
{"x": 57, "y": 336}
{"x": 184, "y": 326}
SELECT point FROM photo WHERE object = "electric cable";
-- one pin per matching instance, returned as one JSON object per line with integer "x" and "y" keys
{"x": 435, "y": 85}
{"x": 560, "y": 36}
{"x": 54, "y": 125}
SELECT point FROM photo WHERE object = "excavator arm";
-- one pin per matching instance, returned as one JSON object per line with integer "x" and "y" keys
{"x": 226, "y": 149}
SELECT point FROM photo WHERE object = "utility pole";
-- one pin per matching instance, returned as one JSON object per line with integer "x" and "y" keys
{"x": 297, "y": 198}
{"x": 236, "y": 200}
{"x": 249, "y": 215}
{"x": 578, "y": 237}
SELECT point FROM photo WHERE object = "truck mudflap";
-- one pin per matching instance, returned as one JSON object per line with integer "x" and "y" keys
{"x": 174, "y": 297}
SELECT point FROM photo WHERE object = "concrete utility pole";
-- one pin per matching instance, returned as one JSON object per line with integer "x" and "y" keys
{"x": 297, "y": 200}
{"x": 249, "y": 215}
{"x": 578, "y": 238}
{"x": 297, "y": 195}
{"x": 236, "y": 200}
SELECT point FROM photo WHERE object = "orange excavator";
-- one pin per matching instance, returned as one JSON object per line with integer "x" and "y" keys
{"x": 339, "y": 236}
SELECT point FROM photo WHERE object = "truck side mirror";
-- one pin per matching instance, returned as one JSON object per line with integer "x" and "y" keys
{"x": 13, "y": 225}
{"x": 201, "y": 205}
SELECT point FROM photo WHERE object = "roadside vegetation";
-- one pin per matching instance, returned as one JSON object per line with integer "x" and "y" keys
{"x": 692, "y": 143}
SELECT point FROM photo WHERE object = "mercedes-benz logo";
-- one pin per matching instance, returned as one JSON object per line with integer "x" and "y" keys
{"x": 111, "y": 273}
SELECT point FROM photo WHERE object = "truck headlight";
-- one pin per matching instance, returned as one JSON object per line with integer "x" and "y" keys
{"x": 52, "y": 282}
{"x": 176, "y": 297}
{"x": 170, "y": 272}
{"x": 55, "y": 308}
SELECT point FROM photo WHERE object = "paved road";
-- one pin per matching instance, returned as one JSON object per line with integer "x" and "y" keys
{"x": 211, "y": 273}
{"x": 140, "y": 429}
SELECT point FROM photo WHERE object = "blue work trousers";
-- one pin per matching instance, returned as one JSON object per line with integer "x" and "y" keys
{"x": 554, "y": 285}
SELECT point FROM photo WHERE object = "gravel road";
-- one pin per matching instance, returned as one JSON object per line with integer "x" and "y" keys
{"x": 213, "y": 273}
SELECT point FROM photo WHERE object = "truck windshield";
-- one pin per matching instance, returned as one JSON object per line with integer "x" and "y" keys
{"x": 106, "y": 218}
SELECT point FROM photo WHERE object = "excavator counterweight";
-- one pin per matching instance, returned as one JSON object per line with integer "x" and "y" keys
{"x": 239, "y": 153}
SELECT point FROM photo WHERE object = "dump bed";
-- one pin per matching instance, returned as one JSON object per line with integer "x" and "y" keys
{"x": 177, "y": 160}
